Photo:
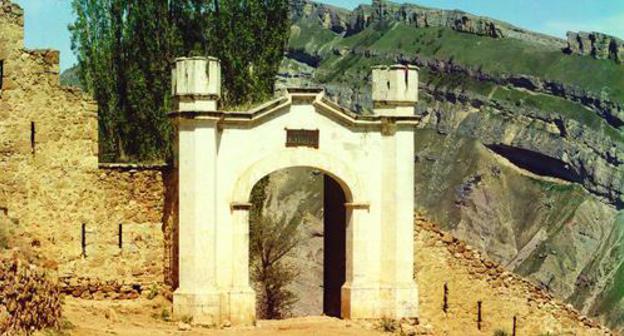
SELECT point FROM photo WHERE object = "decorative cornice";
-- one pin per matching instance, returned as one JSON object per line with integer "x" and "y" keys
{"x": 315, "y": 97}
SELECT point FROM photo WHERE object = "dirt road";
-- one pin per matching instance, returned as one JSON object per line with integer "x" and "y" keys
{"x": 147, "y": 317}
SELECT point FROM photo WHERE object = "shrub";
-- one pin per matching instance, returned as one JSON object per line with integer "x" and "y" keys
{"x": 275, "y": 301}
{"x": 271, "y": 240}
{"x": 500, "y": 332}
{"x": 387, "y": 324}
{"x": 188, "y": 319}
{"x": 153, "y": 292}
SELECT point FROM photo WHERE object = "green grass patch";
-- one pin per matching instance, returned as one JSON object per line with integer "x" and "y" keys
{"x": 310, "y": 36}
{"x": 495, "y": 56}
{"x": 563, "y": 107}
{"x": 367, "y": 37}
{"x": 456, "y": 82}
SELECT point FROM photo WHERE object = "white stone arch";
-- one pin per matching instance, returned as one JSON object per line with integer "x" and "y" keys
{"x": 299, "y": 157}
{"x": 221, "y": 155}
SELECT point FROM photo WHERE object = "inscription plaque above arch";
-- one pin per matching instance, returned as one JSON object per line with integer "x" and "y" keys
{"x": 302, "y": 138}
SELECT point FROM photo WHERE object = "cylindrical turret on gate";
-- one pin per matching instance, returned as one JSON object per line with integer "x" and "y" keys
{"x": 196, "y": 84}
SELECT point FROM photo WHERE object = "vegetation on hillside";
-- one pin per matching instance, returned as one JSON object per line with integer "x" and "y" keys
{"x": 71, "y": 77}
{"x": 125, "y": 50}
{"x": 492, "y": 56}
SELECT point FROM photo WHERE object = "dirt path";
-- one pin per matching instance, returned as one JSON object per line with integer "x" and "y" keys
{"x": 145, "y": 317}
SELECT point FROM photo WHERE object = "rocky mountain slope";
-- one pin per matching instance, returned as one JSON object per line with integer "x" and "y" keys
{"x": 521, "y": 149}
{"x": 452, "y": 275}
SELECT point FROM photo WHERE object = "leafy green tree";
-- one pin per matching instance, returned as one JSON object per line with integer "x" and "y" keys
{"x": 125, "y": 49}
{"x": 92, "y": 40}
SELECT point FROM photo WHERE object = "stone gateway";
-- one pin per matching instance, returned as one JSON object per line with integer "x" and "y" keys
{"x": 221, "y": 155}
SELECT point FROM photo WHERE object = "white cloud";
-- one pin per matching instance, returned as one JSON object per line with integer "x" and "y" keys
{"x": 613, "y": 25}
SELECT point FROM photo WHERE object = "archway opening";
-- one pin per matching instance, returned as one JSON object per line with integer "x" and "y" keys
{"x": 298, "y": 243}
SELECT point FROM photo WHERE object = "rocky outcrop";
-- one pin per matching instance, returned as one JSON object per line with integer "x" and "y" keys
{"x": 611, "y": 111}
{"x": 341, "y": 20}
{"x": 417, "y": 16}
{"x": 548, "y": 144}
{"x": 330, "y": 17}
{"x": 594, "y": 157}
{"x": 598, "y": 45}
{"x": 542, "y": 227}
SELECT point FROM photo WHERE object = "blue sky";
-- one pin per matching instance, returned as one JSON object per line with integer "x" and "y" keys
{"x": 46, "y": 20}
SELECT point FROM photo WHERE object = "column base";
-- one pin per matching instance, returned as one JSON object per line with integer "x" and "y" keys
{"x": 214, "y": 308}
{"x": 365, "y": 302}
{"x": 359, "y": 302}
{"x": 204, "y": 308}
{"x": 400, "y": 301}
{"x": 242, "y": 306}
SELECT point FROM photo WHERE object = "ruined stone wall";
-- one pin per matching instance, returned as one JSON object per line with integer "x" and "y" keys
{"x": 51, "y": 184}
{"x": 454, "y": 277}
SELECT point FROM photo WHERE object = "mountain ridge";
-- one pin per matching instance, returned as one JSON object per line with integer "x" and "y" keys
{"x": 331, "y": 57}
{"x": 362, "y": 15}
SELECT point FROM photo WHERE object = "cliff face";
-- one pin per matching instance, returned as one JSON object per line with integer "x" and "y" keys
{"x": 570, "y": 120}
{"x": 543, "y": 227}
{"x": 521, "y": 148}
{"x": 340, "y": 20}
{"x": 364, "y": 15}
{"x": 598, "y": 45}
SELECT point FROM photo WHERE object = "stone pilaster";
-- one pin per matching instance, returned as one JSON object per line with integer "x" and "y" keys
{"x": 197, "y": 294}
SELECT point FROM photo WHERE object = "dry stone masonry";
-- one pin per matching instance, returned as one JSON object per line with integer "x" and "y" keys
{"x": 52, "y": 185}
{"x": 455, "y": 277}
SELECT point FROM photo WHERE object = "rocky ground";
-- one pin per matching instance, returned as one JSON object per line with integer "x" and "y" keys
{"x": 453, "y": 277}
{"x": 146, "y": 317}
